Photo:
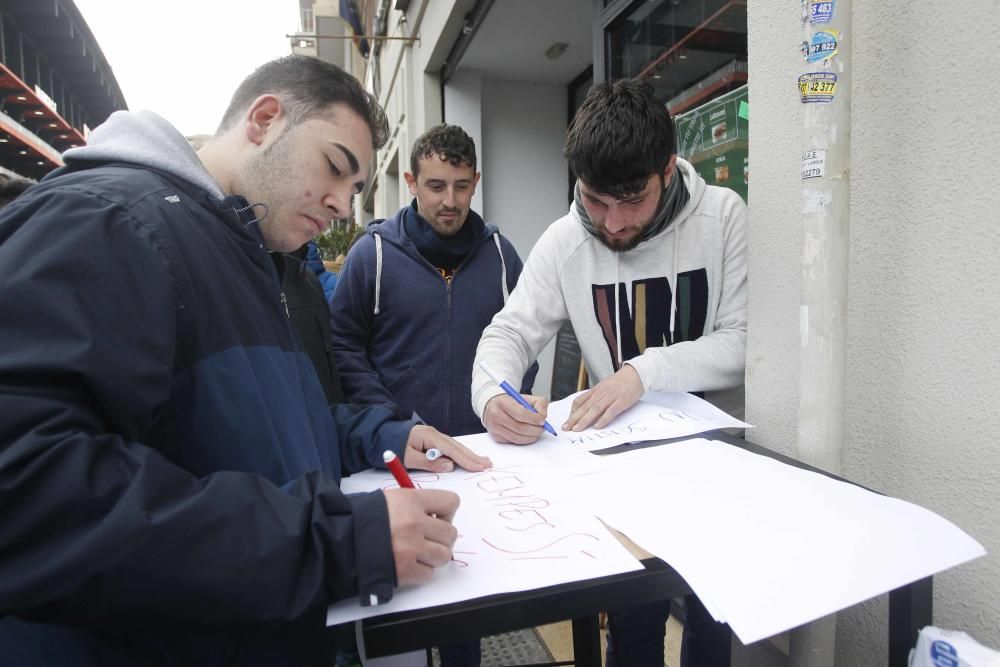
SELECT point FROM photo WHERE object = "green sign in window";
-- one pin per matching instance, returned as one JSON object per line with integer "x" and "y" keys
{"x": 714, "y": 138}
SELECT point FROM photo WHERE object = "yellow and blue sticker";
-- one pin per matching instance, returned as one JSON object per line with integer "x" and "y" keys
{"x": 817, "y": 87}
{"x": 822, "y": 47}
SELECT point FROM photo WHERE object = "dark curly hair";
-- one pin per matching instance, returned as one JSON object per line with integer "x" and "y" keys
{"x": 11, "y": 188}
{"x": 620, "y": 136}
{"x": 307, "y": 87}
{"x": 449, "y": 142}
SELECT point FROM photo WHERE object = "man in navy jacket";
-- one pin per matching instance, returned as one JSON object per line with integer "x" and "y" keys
{"x": 414, "y": 296}
{"x": 169, "y": 465}
{"x": 416, "y": 292}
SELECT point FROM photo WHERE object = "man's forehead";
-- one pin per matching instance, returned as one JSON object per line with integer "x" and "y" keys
{"x": 620, "y": 193}
{"x": 442, "y": 164}
{"x": 342, "y": 121}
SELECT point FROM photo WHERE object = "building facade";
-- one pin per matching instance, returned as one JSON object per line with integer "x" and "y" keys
{"x": 919, "y": 378}
{"x": 55, "y": 84}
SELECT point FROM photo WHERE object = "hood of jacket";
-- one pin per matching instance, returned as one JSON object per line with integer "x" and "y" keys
{"x": 314, "y": 260}
{"x": 146, "y": 139}
{"x": 393, "y": 229}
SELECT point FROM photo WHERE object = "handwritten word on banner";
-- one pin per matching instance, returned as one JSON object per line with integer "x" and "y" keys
{"x": 658, "y": 416}
{"x": 518, "y": 530}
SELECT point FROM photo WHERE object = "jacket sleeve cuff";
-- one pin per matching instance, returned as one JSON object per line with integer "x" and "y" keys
{"x": 392, "y": 436}
{"x": 376, "y": 567}
{"x": 641, "y": 368}
{"x": 483, "y": 397}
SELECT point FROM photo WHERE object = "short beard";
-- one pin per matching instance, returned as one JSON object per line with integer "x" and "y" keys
{"x": 625, "y": 246}
{"x": 622, "y": 246}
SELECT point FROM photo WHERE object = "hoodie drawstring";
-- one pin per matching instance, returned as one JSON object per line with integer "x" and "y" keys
{"x": 503, "y": 268}
{"x": 378, "y": 269}
{"x": 617, "y": 312}
{"x": 250, "y": 207}
{"x": 673, "y": 285}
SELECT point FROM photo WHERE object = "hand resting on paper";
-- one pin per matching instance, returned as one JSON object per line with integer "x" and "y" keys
{"x": 453, "y": 452}
{"x": 608, "y": 399}
{"x": 508, "y": 421}
{"x": 421, "y": 529}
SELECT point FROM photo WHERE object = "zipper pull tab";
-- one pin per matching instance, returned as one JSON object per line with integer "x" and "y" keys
{"x": 284, "y": 302}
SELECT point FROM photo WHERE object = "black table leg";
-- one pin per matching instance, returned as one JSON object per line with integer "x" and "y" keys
{"x": 587, "y": 641}
{"x": 910, "y": 609}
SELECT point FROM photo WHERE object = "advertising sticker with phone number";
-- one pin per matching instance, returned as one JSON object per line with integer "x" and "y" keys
{"x": 814, "y": 163}
{"x": 817, "y": 87}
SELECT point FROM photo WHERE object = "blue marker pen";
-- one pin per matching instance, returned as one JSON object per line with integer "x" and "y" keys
{"x": 516, "y": 395}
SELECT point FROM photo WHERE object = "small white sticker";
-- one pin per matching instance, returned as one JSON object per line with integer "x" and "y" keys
{"x": 814, "y": 163}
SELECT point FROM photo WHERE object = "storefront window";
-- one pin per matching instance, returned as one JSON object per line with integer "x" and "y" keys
{"x": 689, "y": 50}
{"x": 694, "y": 54}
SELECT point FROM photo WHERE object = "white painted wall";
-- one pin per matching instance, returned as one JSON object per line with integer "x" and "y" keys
{"x": 524, "y": 126}
{"x": 463, "y": 106}
{"x": 410, "y": 88}
{"x": 923, "y": 371}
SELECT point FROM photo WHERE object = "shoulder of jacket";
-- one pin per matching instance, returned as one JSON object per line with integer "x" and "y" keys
{"x": 504, "y": 242}
{"x": 722, "y": 205}
{"x": 566, "y": 233}
{"x": 562, "y": 240}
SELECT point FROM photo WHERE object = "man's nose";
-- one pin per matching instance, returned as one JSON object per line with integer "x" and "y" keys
{"x": 338, "y": 202}
{"x": 614, "y": 221}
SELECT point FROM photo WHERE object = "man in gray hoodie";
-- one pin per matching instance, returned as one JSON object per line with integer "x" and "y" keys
{"x": 649, "y": 266}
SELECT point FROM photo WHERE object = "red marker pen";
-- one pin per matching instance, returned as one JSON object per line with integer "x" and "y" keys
{"x": 395, "y": 466}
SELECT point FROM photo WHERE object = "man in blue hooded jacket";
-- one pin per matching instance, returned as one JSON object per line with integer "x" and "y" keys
{"x": 414, "y": 296}
{"x": 169, "y": 465}
{"x": 417, "y": 290}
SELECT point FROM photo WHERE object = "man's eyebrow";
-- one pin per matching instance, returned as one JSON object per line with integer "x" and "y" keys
{"x": 351, "y": 159}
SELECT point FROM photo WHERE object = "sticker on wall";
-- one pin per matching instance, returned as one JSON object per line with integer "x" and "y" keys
{"x": 823, "y": 46}
{"x": 820, "y": 11}
{"x": 814, "y": 163}
{"x": 817, "y": 87}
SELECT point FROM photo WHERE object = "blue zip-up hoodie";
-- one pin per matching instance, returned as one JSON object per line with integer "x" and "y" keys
{"x": 404, "y": 336}
{"x": 328, "y": 279}
{"x": 169, "y": 467}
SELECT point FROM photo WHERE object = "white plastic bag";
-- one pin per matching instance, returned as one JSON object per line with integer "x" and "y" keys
{"x": 951, "y": 648}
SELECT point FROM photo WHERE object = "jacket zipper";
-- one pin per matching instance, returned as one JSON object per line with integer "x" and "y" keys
{"x": 284, "y": 302}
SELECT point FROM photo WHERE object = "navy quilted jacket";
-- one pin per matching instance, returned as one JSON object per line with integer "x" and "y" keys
{"x": 169, "y": 466}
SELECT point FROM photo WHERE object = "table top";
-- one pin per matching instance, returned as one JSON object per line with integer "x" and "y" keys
{"x": 419, "y": 628}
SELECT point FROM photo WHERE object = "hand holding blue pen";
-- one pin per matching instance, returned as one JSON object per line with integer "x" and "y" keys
{"x": 516, "y": 395}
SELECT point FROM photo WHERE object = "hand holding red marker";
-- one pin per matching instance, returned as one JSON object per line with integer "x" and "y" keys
{"x": 395, "y": 466}
{"x": 420, "y": 521}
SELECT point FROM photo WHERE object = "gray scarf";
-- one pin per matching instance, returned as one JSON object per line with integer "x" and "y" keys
{"x": 675, "y": 196}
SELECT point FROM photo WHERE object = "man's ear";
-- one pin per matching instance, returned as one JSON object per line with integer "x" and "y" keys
{"x": 411, "y": 182}
{"x": 265, "y": 116}
{"x": 669, "y": 172}
{"x": 475, "y": 180}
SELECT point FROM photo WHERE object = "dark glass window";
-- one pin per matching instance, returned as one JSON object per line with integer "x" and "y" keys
{"x": 694, "y": 54}
{"x": 689, "y": 50}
